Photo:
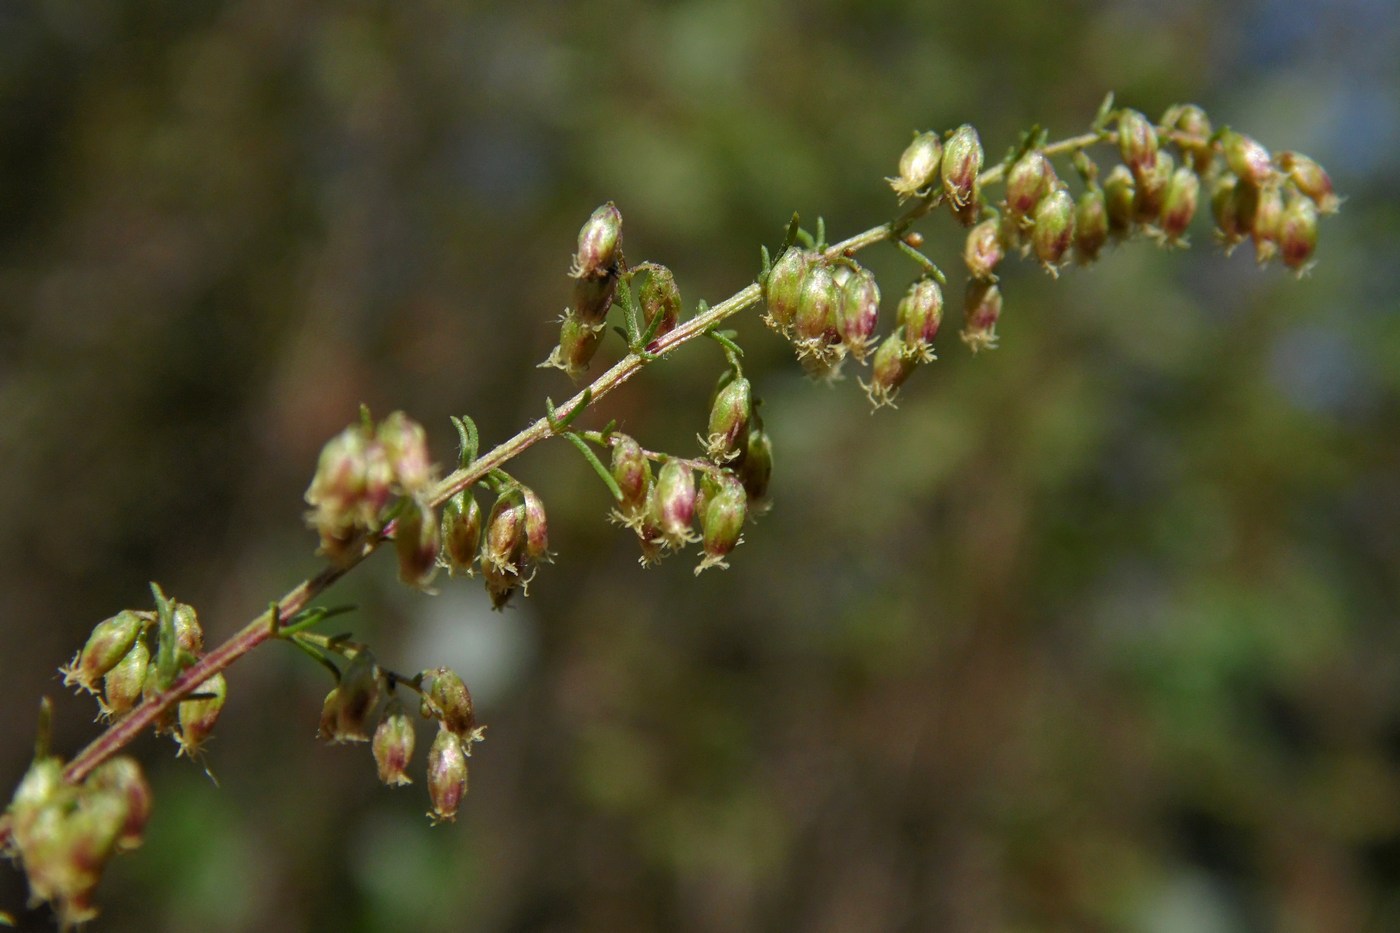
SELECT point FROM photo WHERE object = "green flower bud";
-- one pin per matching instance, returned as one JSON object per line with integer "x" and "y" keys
{"x": 1137, "y": 142}
{"x": 1233, "y": 204}
{"x": 756, "y": 467}
{"x": 417, "y": 542}
{"x": 461, "y": 532}
{"x": 818, "y": 306}
{"x": 782, "y": 290}
{"x": 1179, "y": 205}
{"x": 1192, "y": 121}
{"x": 722, "y": 521}
{"x": 1152, "y": 189}
{"x": 729, "y": 419}
{"x": 121, "y": 777}
{"x": 660, "y": 297}
{"x": 982, "y": 309}
{"x": 501, "y": 584}
{"x": 962, "y": 162}
{"x": 984, "y": 250}
{"x": 1310, "y": 179}
{"x": 632, "y": 472}
{"x": 1246, "y": 158}
{"x": 672, "y": 507}
{"x": 110, "y": 641}
{"x": 1266, "y": 227}
{"x": 1029, "y": 180}
{"x": 393, "y": 746}
{"x": 893, "y": 364}
{"x": 447, "y": 699}
{"x": 199, "y": 712}
{"x": 189, "y": 635}
{"x": 122, "y": 686}
{"x": 599, "y": 244}
{"x": 503, "y": 558}
{"x": 536, "y": 526}
{"x": 405, "y": 444}
{"x": 1297, "y": 232}
{"x": 353, "y": 483}
{"x": 447, "y": 776}
{"x": 593, "y": 298}
{"x": 1090, "y": 225}
{"x": 578, "y": 341}
{"x": 1120, "y": 199}
{"x": 918, "y": 317}
{"x": 860, "y": 311}
{"x": 918, "y": 166}
{"x": 1053, "y": 228}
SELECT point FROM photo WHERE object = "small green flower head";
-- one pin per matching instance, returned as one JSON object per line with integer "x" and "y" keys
{"x": 893, "y": 364}
{"x": 818, "y": 307}
{"x": 1152, "y": 189}
{"x": 405, "y": 443}
{"x": 673, "y": 503}
{"x": 1179, "y": 206}
{"x": 447, "y": 699}
{"x": 962, "y": 163}
{"x": 632, "y": 472}
{"x": 1247, "y": 158}
{"x": 782, "y": 290}
{"x": 593, "y": 298}
{"x": 189, "y": 634}
{"x": 1267, "y": 226}
{"x": 536, "y": 526}
{"x": 729, "y": 420}
{"x": 1120, "y": 199}
{"x": 982, "y": 309}
{"x": 599, "y": 243}
{"x": 918, "y": 166}
{"x": 461, "y": 532}
{"x": 984, "y": 250}
{"x": 1310, "y": 179}
{"x": 860, "y": 311}
{"x": 111, "y": 640}
{"x": 1053, "y": 229}
{"x": 122, "y": 778}
{"x": 447, "y": 776}
{"x": 1192, "y": 121}
{"x": 1297, "y": 232}
{"x": 122, "y": 686}
{"x": 756, "y": 468}
{"x": 1090, "y": 225}
{"x": 505, "y": 533}
{"x": 660, "y": 297}
{"x": 578, "y": 341}
{"x": 392, "y": 746}
{"x": 199, "y": 713}
{"x": 417, "y": 542}
{"x": 1137, "y": 142}
{"x": 918, "y": 318}
{"x": 722, "y": 520}
{"x": 1029, "y": 180}
{"x": 1233, "y": 205}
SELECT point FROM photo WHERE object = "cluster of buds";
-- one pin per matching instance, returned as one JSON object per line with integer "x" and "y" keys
{"x": 365, "y": 694}
{"x": 138, "y": 654}
{"x": 827, "y": 308}
{"x": 65, "y": 833}
{"x": 362, "y": 474}
{"x": 946, "y": 168}
{"x": 596, "y": 268}
{"x": 508, "y": 546}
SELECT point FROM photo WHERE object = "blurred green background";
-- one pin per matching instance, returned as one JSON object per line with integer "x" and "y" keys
{"x": 1097, "y": 632}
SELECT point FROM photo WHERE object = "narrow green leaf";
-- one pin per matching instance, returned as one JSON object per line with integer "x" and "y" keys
{"x": 594, "y": 462}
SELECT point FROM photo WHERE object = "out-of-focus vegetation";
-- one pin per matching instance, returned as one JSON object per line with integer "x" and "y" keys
{"x": 1100, "y": 631}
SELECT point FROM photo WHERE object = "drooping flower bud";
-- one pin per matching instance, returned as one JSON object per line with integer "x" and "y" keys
{"x": 1297, "y": 232}
{"x": 962, "y": 163}
{"x": 406, "y": 445}
{"x": 503, "y": 564}
{"x": 447, "y": 699}
{"x": 984, "y": 250}
{"x": 632, "y": 472}
{"x": 722, "y": 520}
{"x": 817, "y": 306}
{"x": 1090, "y": 225}
{"x": 1233, "y": 217}
{"x": 1179, "y": 205}
{"x": 447, "y": 776}
{"x": 352, "y": 485}
{"x": 417, "y": 541}
{"x": 1266, "y": 226}
{"x": 1246, "y": 158}
{"x": 122, "y": 778}
{"x": 982, "y": 308}
{"x": 782, "y": 290}
{"x": 1192, "y": 121}
{"x": 660, "y": 297}
{"x": 918, "y": 317}
{"x": 1029, "y": 180}
{"x": 189, "y": 634}
{"x": 892, "y": 365}
{"x": 578, "y": 341}
{"x": 199, "y": 712}
{"x": 918, "y": 166}
{"x": 536, "y": 526}
{"x": 110, "y": 641}
{"x": 1053, "y": 229}
{"x": 860, "y": 311}
{"x": 122, "y": 685}
{"x": 756, "y": 468}
{"x": 392, "y": 746}
{"x": 729, "y": 419}
{"x": 599, "y": 243}
{"x": 593, "y": 298}
{"x": 1137, "y": 142}
{"x": 673, "y": 503}
{"x": 1152, "y": 189}
{"x": 461, "y": 532}
{"x": 1120, "y": 198}
{"x": 1310, "y": 179}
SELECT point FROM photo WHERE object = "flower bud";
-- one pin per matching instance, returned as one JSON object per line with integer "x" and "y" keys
{"x": 199, "y": 712}
{"x": 860, "y": 311}
{"x": 501, "y": 584}
{"x": 392, "y": 746}
{"x": 1310, "y": 179}
{"x": 1192, "y": 121}
{"x": 722, "y": 520}
{"x": 1297, "y": 232}
{"x": 782, "y": 290}
{"x": 339, "y": 482}
{"x": 660, "y": 297}
{"x": 536, "y": 525}
{"x": 1120, "y": 198}
{"x": 417, "y": 542}
{"x": 122, "y": 685}
{"x": 1053, "y": 229}
{"x": 729, "y": 419}
{"x": 405, "y": 444}
{"x": 1233, "y": 216}
{"x": 189, "y": 635}
{"x": 447, "y": 699}
{"x": 918, "y": 317}
{"x": 461, "y": 532}
{"x": 110, "y": 641}
{"x": 599, "y": 243}
{"x": 918, "y": 166}
{"x": 1152, "y": 189}
{"x": 982, "y": 309}
{"x": 756, "y": 467}
{"x": 122, "y": 778}
{"x": 593, "y": 298}
{"x": 817, "y": 307}
{"x": 984, "y": 250}
{"x": 1090, "y": 225}
{"x": 1029, "y": 180}
{"x": 632, "y": 472}
{"x": 447, "y": 776}
{"x": 578, "y": 341}
{"x": 893, "y": 364}
{"x": 1266, "y": 226}
{"x": 1137, "y": 142}
{"x": 673, "y": 503}
{"x": 505, "y": 533}
{"x": 1179, "y": 205}
{"x": 1246, "y": 158}
{"x": 962, "y": 162}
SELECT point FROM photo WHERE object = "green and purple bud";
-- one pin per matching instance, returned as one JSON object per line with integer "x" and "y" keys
{"x": 536, "y": 526}
{"x": 1233, "y": 205}
{"x": 1247, "y": 158}
{"x": 722, "y": 520}
{"x": 860, "y": 311}
{"x": 918, "y": 317}
{"x": 962, "y": 163}
{"x": 892, "y": 365}
{"x": 505, "y": 533}
{"x": 918, "y": 166}
{"x": 405, "y": 444}
{"x": 1137, "y": 142}
{"x": 189, "y": 635}
{"x": 1191, "y": 121}
{"x": 1029, "y": 180}
{"x": 578, "y": 342}
{"x": 593, "y": 298}
{"x": 673, "y": 503}
{"x": 1090, "y": 225}
{"x": 756, "y": 467}
{"x": 660, "y": 298}
{"x": 1179, "y": 205}
{"x": 818, "y": 306}
{"x": 199, "y": 712}
{"x": 632, "y": 472}
{"x": 729, "y": 419}
{"x": 1152, "y": 187}
{"x": 1310, "y": 179}
{"x": 1120, "y": 201}
{"x": 461, "y": 532}
{"x": 111, "y": 640}
{"x": 417, "y": 542}
{"x": 123, "y": 685}
{"x": 447, "y": 775}
{"x": 782, "y": 290}
{"x": 599, "y": 244}
{"x": 1267, "y": 225}
{"x": 982, "y": 310}
{"x": 392, "y": 746}
{"x": 121, "y": 777}
{"x": 1297, "y": 232}
{"x": 984, "y": 249}
{"x": 348, "y": 708}
{"x": 447, "y": 699}
{"x": 1052, "y": 229}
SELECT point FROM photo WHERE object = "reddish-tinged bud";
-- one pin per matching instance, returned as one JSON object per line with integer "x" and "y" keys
{"x": 393, "y": 746}
{"x": 189, "y": 635}
{"x": 1053, "y": 229}
{"x": 860, "y": 311}
{"x": 340, "y": 473}
{"x": 1191, "y": 121}
{"x": 1310, "y": 179}
{"x": 918, "y": 317}
{"x": 461, "y": 532}
{"x": 110, "y": 641}
{"x": 593, "y": 298}
{"x": 122, "y": 685}
{"x": 1137, "y": 142}
{"x": 632, "y": 472}
{"x": 536, "y": 526}
{"x": 447, "y": 776}
{"x": 660, "y": 297}
{"x": 984, "y": 250}
{"x": 505, "y": 533}
{"x": 1297, "y": 232}
{"x": 122, "y": 778}
{"x": 417, "y": 541}
{"x": 405, "y": 444}
{"x": 1090, "y": 225}
{"x": 447, "y": 699}
{"x": 1246, "y": 158}
{"x": 578, "y": 341}
{"x": 599, "y": 243}
{"x": 892, "y": 365}
{"x": 1179, "y": 205}
{"x": 918, "y": 166}
{"x": 729, "y": 419}
{"x": 1120, "y": 200}
{"x": 782, "y": 290}
{"x": 722, "y": 520}
{"x": 962, "y": 163}
{"x": 1027, "y": 182}
{"x": 756, "y": 468}
{"x": 1267, "y": 224}
{"x": 1233, "y": 205}
{"x": 673, "y": 503}
{"x": 982, "y": 307}
{"x": 501, "y": 584}
{"x": 199, "y": 713}
{"x": 1152, "y": 188}
{"x": 817, "y": 307}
